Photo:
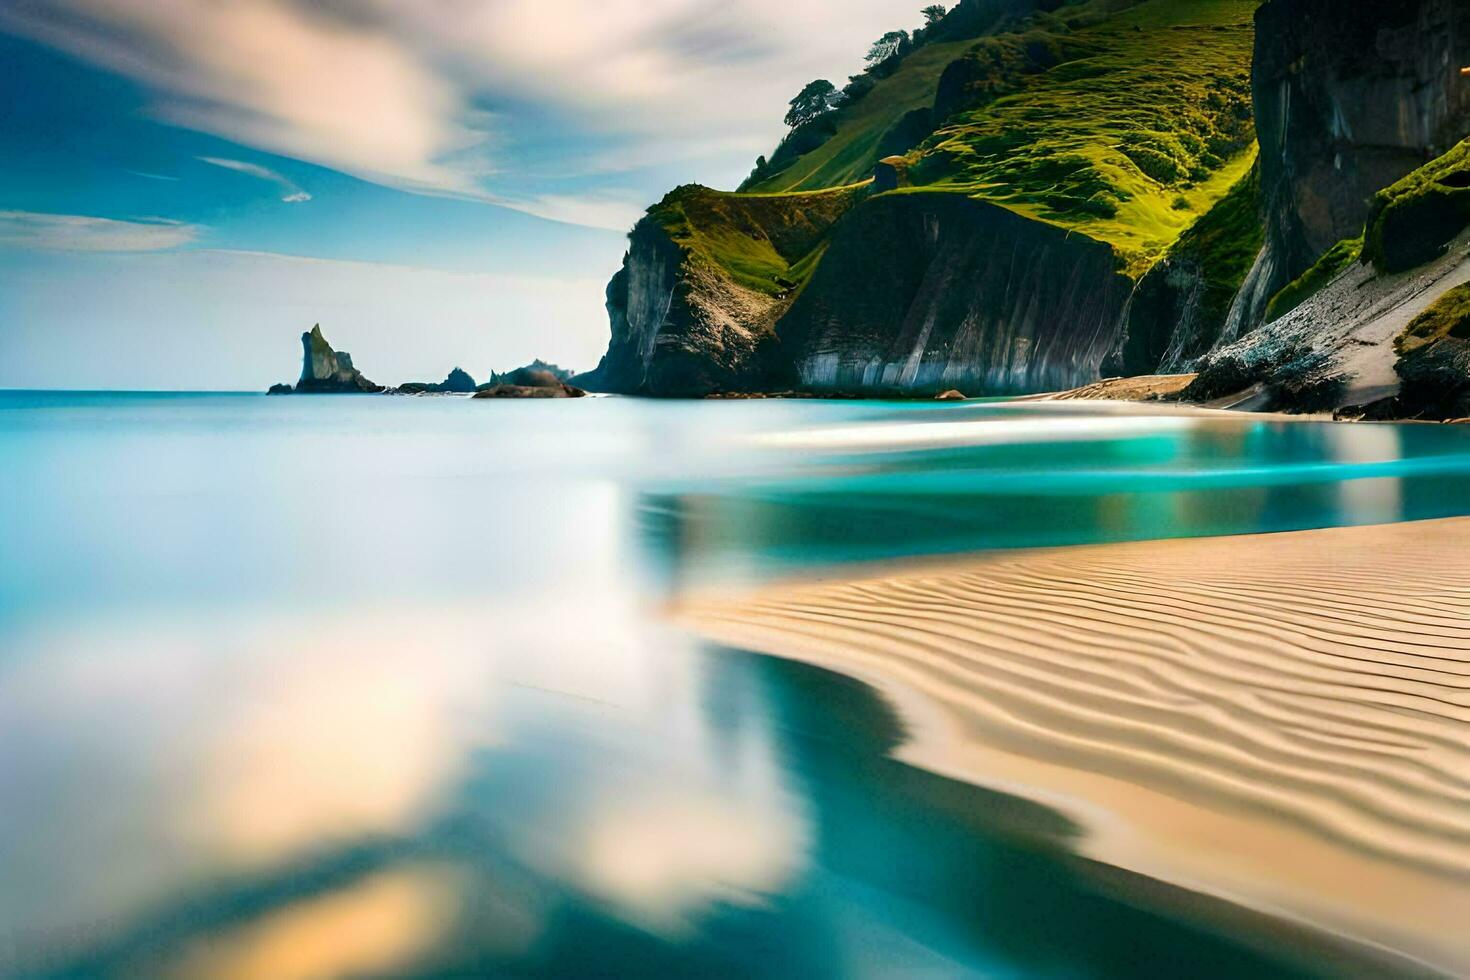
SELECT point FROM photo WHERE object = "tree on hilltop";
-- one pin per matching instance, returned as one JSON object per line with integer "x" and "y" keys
{"x": 933, "y": 14}
{"x": 811, "y": 102}
{"x": 887, "y": 46}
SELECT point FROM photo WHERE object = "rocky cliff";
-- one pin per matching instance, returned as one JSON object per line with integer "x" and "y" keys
{"x": 1374, "y": 328}
{"x": 1048, "y": 155}
{"x": 707, "y": 275}
{"x": 919, "y": 293}
{"x": 1349, "y": 97}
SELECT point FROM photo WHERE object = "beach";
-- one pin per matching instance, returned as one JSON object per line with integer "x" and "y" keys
{"x": 1280, "y": 720}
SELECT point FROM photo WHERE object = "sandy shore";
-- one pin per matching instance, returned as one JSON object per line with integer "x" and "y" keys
{"x": 1281, "y": 720}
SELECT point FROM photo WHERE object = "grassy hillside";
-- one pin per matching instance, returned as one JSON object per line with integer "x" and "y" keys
{"x": 1125, "y": 120}
{"x": 848, "y": 157}
{"x": 1130, "y": 143}
{"x": 764, "y": 242}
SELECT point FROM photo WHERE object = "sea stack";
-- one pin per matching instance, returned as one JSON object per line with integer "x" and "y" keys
{"x": 328, "y": 371}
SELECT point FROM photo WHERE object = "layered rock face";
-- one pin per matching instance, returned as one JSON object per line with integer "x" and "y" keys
{"x": 1180, "y": 306}
{"x": 1349, "y": 97}
{"x": 693, "y": 310}
{"x": 325, "y": 370}
{"x": 918, "y": 293}
{"x": 681, "y": 329}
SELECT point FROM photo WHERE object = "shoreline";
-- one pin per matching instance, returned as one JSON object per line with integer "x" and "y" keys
{"x": 1277, "y": 720}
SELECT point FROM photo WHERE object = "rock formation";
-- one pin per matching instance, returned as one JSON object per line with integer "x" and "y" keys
{"x": 1349, "y": 97}
{"x": 557, "y": 389}
{"x": 328, "y": 371}
{"x": 919, "y": 293}
{"x": 538, "y": 373}
{"x": 969, "y": 217}
{"x": 458, "y": 382}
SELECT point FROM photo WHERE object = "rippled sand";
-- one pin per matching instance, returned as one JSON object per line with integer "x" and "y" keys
{"x": 1283, "y": 720}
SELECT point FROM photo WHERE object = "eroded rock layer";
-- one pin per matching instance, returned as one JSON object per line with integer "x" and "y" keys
{"x": 924, "y": 292}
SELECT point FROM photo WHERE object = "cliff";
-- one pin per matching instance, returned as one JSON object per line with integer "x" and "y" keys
{"x": 1349, "y": 98}
{"x": 1036, "y": 160}
{"x": 919, "y": 293}
{"x": 1374, "y": 328}
{"x": 707, "y": 275}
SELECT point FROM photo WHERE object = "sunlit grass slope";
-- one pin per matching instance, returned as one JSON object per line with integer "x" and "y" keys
{"x": 765, "y": 242}
{"x": 1130, "y": 143}
{"x": 1125, "y": 120}
{"x": 848, "y": 157}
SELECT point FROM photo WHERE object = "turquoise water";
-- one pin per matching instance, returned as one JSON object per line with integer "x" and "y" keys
{"x": 375, "y": 687}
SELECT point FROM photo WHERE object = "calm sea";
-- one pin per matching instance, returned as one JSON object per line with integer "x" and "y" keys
{"x": 356, "y": 687}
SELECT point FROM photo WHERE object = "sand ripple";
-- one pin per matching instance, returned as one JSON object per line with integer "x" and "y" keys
{"x": 1315, "y": 686}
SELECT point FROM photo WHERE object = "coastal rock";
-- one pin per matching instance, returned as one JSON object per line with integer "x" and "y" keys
{"x": 1339, "y": 349}
{"x": 538, "y": 373}
{"x": 458, "y": 382}
{"x": 559, "y": 390}
{"x": 925, "y": 292}
{"x": 1349, "y": 97}
{"x": 1179, "y": 309}
{"x": 328, "y": 371}
{"x": 694, "y": 307}
{"x": 280, "y": 389}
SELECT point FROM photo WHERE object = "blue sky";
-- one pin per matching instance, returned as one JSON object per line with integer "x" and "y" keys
{"x": 186, "y": 185}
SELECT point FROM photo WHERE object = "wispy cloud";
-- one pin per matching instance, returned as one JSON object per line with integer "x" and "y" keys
{"x": 612, "y": 211}
{"x": 290, "y": 193}
{"x": 271, "y": 74}
{"x": 397, "y": 92}
{"x": 83, "y": 233}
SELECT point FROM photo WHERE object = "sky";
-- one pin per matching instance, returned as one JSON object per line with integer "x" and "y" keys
{"x": 187, "y": 185}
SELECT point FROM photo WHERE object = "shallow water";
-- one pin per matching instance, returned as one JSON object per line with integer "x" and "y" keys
{"x": 304, "y": 687}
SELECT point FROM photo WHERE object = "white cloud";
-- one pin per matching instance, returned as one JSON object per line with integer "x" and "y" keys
{"x": 291, "y": 193}
{"x": 269, "y": 74}
{"x": 613, "y": 211}
{"x": 82, "y": 233}
{"x": 394, "y": 91}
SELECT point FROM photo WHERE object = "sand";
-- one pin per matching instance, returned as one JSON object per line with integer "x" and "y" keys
{"x": 1281, "y": 720}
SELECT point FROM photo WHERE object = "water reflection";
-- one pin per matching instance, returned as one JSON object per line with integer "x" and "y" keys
{"x": 1087, "y": 483}
{"x": 374, "y": 687}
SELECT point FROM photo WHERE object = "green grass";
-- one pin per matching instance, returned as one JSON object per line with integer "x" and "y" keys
{"x": 1311, "y": 282}
{"x": 1225, "y": 242}
{"x": 1131, "y": 143}
{"x": 1412, "y": 220}
{"x": 848, "y": 157}
{"x": 765, "y": 242}
{"x": 1448, "y": 317}
{"x": 1126, "y": 120}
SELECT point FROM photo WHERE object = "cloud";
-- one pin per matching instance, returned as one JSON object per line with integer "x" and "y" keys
{"x": 81, "y": 233}
{"x": 612, "y": 211}
{"x": 471, "y": 97}
{"x": 269, "y": 74}
{"x": 291, "y": 193}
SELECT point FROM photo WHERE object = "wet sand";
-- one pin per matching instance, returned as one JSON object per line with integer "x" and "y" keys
{"x": 1279, "y": 720}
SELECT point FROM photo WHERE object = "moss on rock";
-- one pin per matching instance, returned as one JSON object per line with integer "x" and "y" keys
{"x": 1413, "y": 220}
{"x": 1328, "y": 267}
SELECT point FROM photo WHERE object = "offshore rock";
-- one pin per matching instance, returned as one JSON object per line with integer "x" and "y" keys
{"x": 559, "y": 390}
{"x": 538, "y": 373}
{"x": 458, "y": 382}
{"x": 328, "y": 371}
